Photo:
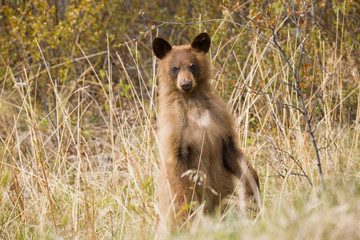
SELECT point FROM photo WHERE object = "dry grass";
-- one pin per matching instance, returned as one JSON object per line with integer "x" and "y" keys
{"x": 90, "y": 172}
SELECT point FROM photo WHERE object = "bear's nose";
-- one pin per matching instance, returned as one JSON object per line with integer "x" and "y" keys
{"x": 186, "y": 86}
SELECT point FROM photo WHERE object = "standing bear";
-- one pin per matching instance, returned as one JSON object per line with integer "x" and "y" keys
{"x": 200, "y": 158}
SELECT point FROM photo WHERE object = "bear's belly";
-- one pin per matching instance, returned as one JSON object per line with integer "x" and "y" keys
{"x": 201, "y": 150}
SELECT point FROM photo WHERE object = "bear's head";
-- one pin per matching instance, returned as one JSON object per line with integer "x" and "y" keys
{"x": 185, "y": 67}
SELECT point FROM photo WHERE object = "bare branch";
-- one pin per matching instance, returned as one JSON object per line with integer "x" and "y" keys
{"x": 296, "y": 162}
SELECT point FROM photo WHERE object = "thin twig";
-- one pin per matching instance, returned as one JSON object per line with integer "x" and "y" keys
{"x": 297, "y": 163}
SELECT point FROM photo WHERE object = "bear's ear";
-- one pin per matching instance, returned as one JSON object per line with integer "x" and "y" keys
{"x": 160, "y": 47}
{"x": 201, "y": 42}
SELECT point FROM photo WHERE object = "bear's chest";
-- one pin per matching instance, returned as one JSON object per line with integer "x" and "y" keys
{"x": 201, "y": 128}
{"x": 199, "y": 118}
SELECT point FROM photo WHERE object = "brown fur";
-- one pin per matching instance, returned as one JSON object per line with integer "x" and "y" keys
{"x": 196, "y": 132}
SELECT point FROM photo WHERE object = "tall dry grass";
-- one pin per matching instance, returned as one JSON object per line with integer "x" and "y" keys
{"x": 86, "y": 168}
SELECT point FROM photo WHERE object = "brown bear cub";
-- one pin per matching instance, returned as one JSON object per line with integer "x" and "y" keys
{"x": 200, "y": 157}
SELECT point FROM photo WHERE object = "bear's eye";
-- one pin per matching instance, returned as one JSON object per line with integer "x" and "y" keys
{"x": 193, "y": 68}
{"x": 174, "y": 69}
